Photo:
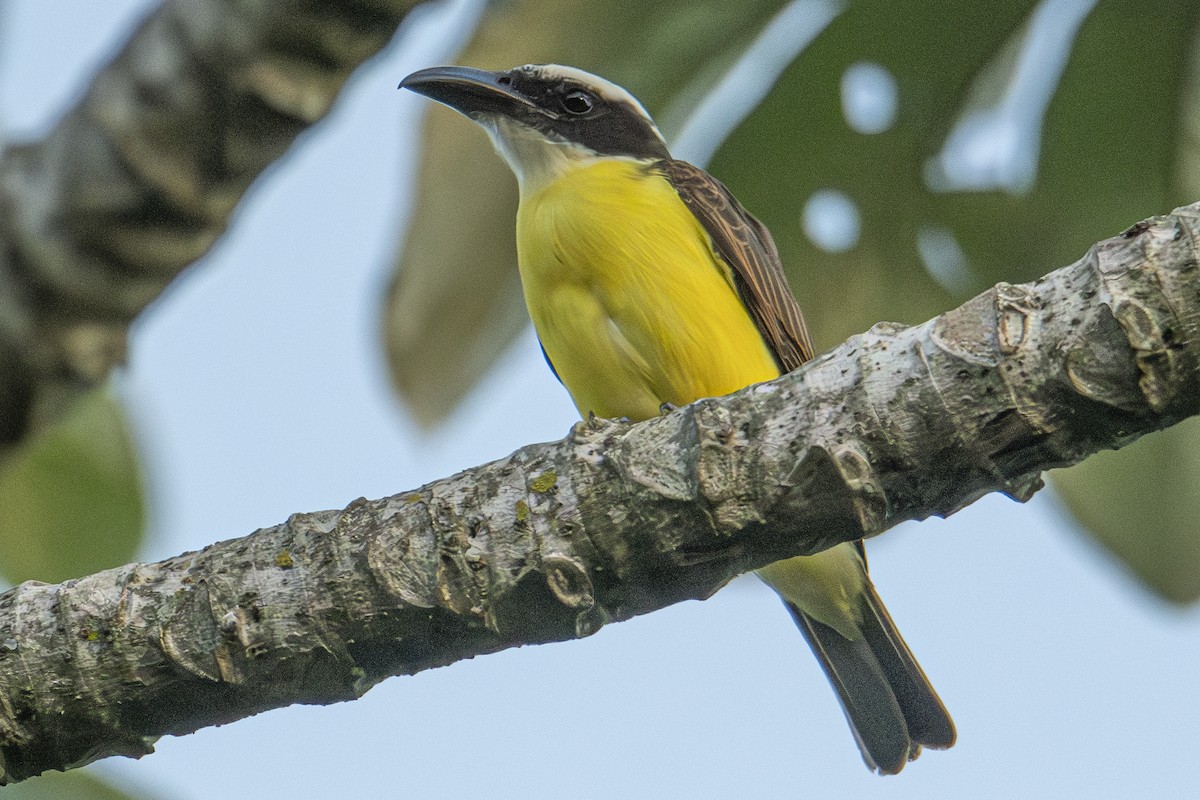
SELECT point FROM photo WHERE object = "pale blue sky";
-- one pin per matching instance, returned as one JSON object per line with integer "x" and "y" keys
{"x": 258, "y": 389}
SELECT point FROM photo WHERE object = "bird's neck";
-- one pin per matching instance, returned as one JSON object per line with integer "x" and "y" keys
{"x": 536, "y": 161}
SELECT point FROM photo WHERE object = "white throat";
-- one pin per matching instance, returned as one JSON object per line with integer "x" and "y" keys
{"x": 535, "y": 160}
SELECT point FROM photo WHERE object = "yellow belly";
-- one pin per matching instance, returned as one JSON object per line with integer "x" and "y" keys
{"x": 635, "y": 310}
{"x": 629, "y": 300}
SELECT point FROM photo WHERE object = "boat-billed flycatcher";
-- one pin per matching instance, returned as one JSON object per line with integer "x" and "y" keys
{"x": 649, "y": 284}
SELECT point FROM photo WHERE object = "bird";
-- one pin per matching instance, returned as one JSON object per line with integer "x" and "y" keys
{"x": 650, "y": 286}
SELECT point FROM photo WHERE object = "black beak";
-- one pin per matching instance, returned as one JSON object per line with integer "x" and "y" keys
{"x": 474, "y": 92}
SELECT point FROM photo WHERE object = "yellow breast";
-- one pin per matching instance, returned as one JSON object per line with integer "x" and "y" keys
{"x": 629, "y": 300}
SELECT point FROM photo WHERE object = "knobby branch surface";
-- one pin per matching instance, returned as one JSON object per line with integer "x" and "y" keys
{"x": 615, "y": 520}
{"x": 141, "y": 177}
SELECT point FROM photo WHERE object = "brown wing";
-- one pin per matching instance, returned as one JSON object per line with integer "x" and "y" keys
{"x": 747, "y": 247}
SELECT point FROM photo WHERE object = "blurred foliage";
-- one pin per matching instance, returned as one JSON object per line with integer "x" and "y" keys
{"x": 71, "y": 497}
{"x": 1117, "y": 143}
{"x": 1142, "y": 503}
{"x": 798, "y": 142}
{"x": 1106, "y": 153}
{"x": 76, "y": 785}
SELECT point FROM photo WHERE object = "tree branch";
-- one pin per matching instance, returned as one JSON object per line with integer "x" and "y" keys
{"x": 141, "y": 177}
{"x": 616, "y": 520}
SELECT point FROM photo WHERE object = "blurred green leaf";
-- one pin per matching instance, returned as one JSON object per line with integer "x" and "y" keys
{"x": 1108, "y": 154}
{"x": 1110, "y": 149}
{"x": 798, "y": 142}
{"x": 71, "y": 498}
{"x": 455, "y": 303}
{"x": 1143, "y": 504}
{"x": 74, "y": 785}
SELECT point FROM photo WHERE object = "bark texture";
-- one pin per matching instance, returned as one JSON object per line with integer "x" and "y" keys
{"x": 141, "y": 177}
{"x": 615, "y": 520}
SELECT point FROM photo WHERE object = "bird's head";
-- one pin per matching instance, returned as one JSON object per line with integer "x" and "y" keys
{"x": 544, "y": 117}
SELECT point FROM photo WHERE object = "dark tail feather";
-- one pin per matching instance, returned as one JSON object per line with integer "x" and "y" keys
{"x": 888, "y": 701}
{"x": 929, "y": 723}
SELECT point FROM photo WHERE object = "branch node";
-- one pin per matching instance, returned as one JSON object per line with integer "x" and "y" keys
{"x": 1094, "y": 370}
{"x": 401, "y": 567}
{"x": 184, "y": 653}
{"x": 838, "y": 488}
{"x": 569, "y": 583}
{"x": 1155, "y": 359}
{"x": 722, "y": 472}
{"x": 1014, "y": 306}
{"x": 866, "y": 494}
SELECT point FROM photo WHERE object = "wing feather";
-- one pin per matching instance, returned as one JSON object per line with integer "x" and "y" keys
{"x": 746, "y": 246}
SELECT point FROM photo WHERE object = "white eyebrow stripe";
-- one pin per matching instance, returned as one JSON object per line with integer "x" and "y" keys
{"x": 606, "y": 89}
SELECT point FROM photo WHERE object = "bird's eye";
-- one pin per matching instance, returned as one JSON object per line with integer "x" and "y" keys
{"x": 577, "y": 102}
